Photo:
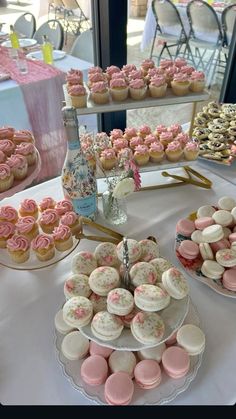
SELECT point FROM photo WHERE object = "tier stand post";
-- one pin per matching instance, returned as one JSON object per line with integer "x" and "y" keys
{"x": 192, "y": 118}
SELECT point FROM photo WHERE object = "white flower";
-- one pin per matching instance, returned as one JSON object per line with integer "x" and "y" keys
{"x": 123, "y": 188}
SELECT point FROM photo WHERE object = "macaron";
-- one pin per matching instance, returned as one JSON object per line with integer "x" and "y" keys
{"x": 205, "y": 211}
{"x": 75, "y": 346}
{"x": 122, "y": 361}
{"x": 232, "y": 237}
{"x": 149, "y": 250}
{"x": 152, "y": 353}
{"x": 147, "y": 374}
{"x": 212, "y": 269}
{"x": 175, "y": 283}
{"x": 83, "y": 263}
{"x": 221, "y": 244}
{"x": 96, "y": 349}
{"x": 233, "y": 213}
{"x": 75, "y": 285}
{"x": 60, "y": 324}
{"x": 191, "y": 338}
{"x": 106, "y": 326}
{"x": 171, "y": 340}
{"x": 142, "y": 273}
{"x": 161, "y": 265}
{"x": 104, "y": 279}
{"x": 134, "y": 250}
{"x": 94, "y": 370}
{"x": 188, "y": 249}
{"x": 147, "y": 328}
{"x": 151, "y": 297}
{"x": 176, "y": 362}
{"x": 226, "y": 257}
{"x": 226, "y": 203}
{"x": 185, "y": 227}
{"x": 206, "y": 251}
{"x": 77, "y": 311}
{"x": 229, "y": 279}
{"x": 120, "y": 301}
{"x": 212, "y": 233}
{"x": 197, "y": 237}
{"x": 129, "y": 317}
{"x": 223, "y": 218}
{"x": 105, "y": 254}
{"x": 119, "y": 389}
{"x": 227, "y": 232}
{"x": 99, "y": 303}
{"x": 203, "y": 222}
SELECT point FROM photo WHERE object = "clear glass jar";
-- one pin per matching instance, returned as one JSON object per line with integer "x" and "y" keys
{"x": 114, "y": 210}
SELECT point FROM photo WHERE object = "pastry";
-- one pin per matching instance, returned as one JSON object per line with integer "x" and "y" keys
{"x": 233, "y": 213}
{"x": 60, "y": 324}
{"x": 185, "y": 227}
{"x": 6, "y": 232}
{"x": 8, "y": 213}
{"x": 99, "y": 303}
{"x": 124, "y": 361}
{"x": 174, "y": 151}
{"x": 94, "y": 370}
{"x": 175, "y": 283}
{"x": 28, "y": 227}
{"x": 120, "y": 302}
{"x": 74, "y": 346}
{"x": 119, "y": 89}
{"x": 171, "y": 340}
{"x": 150, "y": 250}
{"x": 220, "y": 244}
{"x": 18, "y": 247}
{"x": 160, "y": 265}
{"x": 141, "y": 155}
{"x": 150, "y": 139}
{"x": 203, "y": 222}
{"x": 43, "y": 246}
{"x": 135, "y": 141}
{"x": 188, "y": 249}
{"x": 106, "y": 326}
{"x": 119, "y": 389}
{"x": 78, "y": 96}
{"x": 104, "y": 279}
{"x": 119, "y": 143}
{"x": 72, "y": 220}
{"x": 83, "y": 263}
{"x": 212, "y": 233}
{"x": 156, "y": 152}
{"x": 28, "y": 207}
{"x": 157, "y": 86}
{"x": 137, "y": 89}
{"x": 96, "y": 349}
{"x": 197, "y": 237}
{"x": 201, "y": 133}
{"x": 191, "y": 338}
{"x": 6, "y": 177}
{"x": 7, "y": 147}
{"x": 182, "y": 138}
{"x": 134, "y": 250}
{"x": 48, "y": 220}
{"x": 6, "y": 133}
{"x": 148, "y": 328}
{"x": 197, "y": 80}
{"x": 226, "y": 203}
{"x": 106, "y": 255}
{"x": 152, "y": 353}
{"x": 147, "y": 374}
{"x": 176, "y": 362}
{"x": 2, "y": 157}
{"x": 151, "y": 298}
{"x": 232, "y": 237}
{"x": 18, "y": 165}
{"x": 78, "y": 311}
{"x": 47, "y": 203}
{"x": 108, "y": 158}
{"x": 223, "y": 218}
{"x": 227, "y": 232}
{"x": 216, "y": 145}
{"x": 217, "y": 128}
{"x": 229, "y": 279}
{"x": 146, "y": 65}
{"x": 180, "y": 84}
{"x": 100, "y": 93}
{"x": 166, "y": 137}
{"x": 130, "y": 133}
{"x": 75, "y": 285}
{"x": 200, "y": 122}
{"x": 212, "y": 269}
{"x": 111, "y": 70}
{"x": 23, "y": 136}
{"x": 191, "y": 151}
{"x": 205, "y": 211}
{"x": 62, "y": 238}
{"x": 226, "y": 257}
{"x": 63, "y": 206}
{"x": 126, "y": 320}
{"x": 142, "y": 273}
{"x": 213, "y": 136}
{"x": 206, "y": 251}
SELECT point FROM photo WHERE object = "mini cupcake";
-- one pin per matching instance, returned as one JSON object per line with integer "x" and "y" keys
{"x": 72, "y": 220}
{"x": 6, "y": 232}
{"x": 144, "y": 130}
{"x": 165, "y": 63}
{"x": 7, "y": 147}
{"x": 18, "y": 165}
{"x": 197, "y": 80}
{"x": 23, "y": 136}
{"x": 108, "y": 158}
{"x": 180, "y": 84}
{"x": 169, "y": 74}
{"x": 49, "y": 220}
{"x": 120, "y": 143}
{"x": 2, "y": 157}
{"x": 28, "y": 207}
{"x": 138, "y": 89}
{"x": 8, "y": 213}
{"x": 141, "y": 155}
{"x": 28, "y": 227}
{"x": 159, "y": 129}
{"x": 100, "y": 93}
{"x": 187, "y": 69}
{"x": 63, "y": 206}
{"x": 191, "y": 151}
{"x": 118, "y": 89}
{"x": 43, "y": 247}
{"x": 174, "y": 151}
{"x": 6, "y": 177}
{"x": 182, "y": 138}
{"x": 158, "y": 86}
{"x": 95, "y": 78}
{"x": 74, "y": 79}
{"x": 6, "y": 133}
{"x": 27, "y": 150}
{"x": 166, "y": 138}
{"x": 130, "y": 133}
{"x": 47, "y": 203}
{"x": 180, "y": 62}
{"x": 127, "y": 68}
{"x": 135, "y": 141}
{"x": 175, "y": 129}
{"x": 151, "y": 138}
{"x": 18, "y": 247}
{"x": 93, "y": 70}
{"x": 146, "y": 65}
{"x": 78, "y": 96}
{"x": 125, "y": 154}
{"x": 156, "y": 152}
{"x": 111, "y": 70}
{"x": 153, "y": 72}
{"x": 135, "y": 74}
{"x": 62, "y": 238}
{"x": 115, "y": 133}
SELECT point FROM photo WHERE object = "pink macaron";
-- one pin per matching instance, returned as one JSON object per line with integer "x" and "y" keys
{"x": 189, "y": 249}
{"x": 172, "y": 339}
{"x": 220, "y": 244}
{"x": 147, "y": 374}
{"x": 232, "y": 237}
{"x": 185, "y": 227}
{"x": 203, "y": 222}
{"x": 229, "y": 279}
{"x": 119, "y": 389}
{"x": 95, "y": 349}
{"x": 94, "y": 370}
{"x": 175, "y": 361}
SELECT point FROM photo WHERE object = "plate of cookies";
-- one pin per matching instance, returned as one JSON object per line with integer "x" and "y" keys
{"x": 205, "y": 245}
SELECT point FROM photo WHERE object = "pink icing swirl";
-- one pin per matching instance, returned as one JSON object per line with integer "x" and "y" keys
{"x": 94, "y": 70}
{"x": 28, "y": 205}
{"x": 191, "y": 146}
{"x": 148, "y": 63}
{"x": 62, "y": 232}
{"x": 180, "y": 77}
{"x": 182, "y": 138}
{"x": 95, "y": 77}
{"x": 198, "y": 75}
{"x": 49, "y": 216}
{"x": 108, "y": 153}
{"x": 8, "y": 213}
{"x": 7, "y": 146}
{"x": 25, "y": 149}
{"x": 145, "y": 130}
{"x": 175, "y": 129}
{"x": 117, "y": 83}
{"x": 119, "y": 75}
{"x": 166, "y": 136}
{"x": 17, "y": 161}
{"x": 25, "y": 224}
{"x": 120, "y": 143}
{"x": 135, "y": 141}
{"x": 47, "y": 203}
{"x": 141, "y": 150}
{"x": 156, "y": 147}
{"x": 6, "y": 229}
{"x": 116, "y": 133}
{"x": 170, "y": 71}
{"x": 2, "y": 157}
{"x": 5, "y": 171}
{"x": 131, "y": 132}
{"x": 99, "y": 87}
{"x": 135, "y": 74}
{"x": 112, "y": 69}
{"x": 157, "y": 81}
{"x": 137, "y": 84}
{"x": 75, "y": 71}
{"x": 23, "y": 135}
{"x": 149, "y": 139}
{"x": 63, "y": 206}
{"x": 74, "y": 79}
{"x": 69, "y": 218}
{"x": 127, "y": 68}
{"x": 180, "y": 62}
{"x": 156, "y": 71}
{"x": 18, "y": 242}
{"x": 160, "y": 129}
{"x": 77, "y": 90}
{"x": 187, "y": 69}
{"x": 166, "y": 63}
{"x": 174, "y": 146}
{"x": 42, "y": 241}
{"x": 6, "y": 132}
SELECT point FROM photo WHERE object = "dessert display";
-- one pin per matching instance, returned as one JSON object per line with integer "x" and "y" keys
{"x": 205, "y": 245}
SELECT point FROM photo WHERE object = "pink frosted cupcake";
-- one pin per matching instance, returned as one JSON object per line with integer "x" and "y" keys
{"x": 146, "y": 65}
{"x": 111, "y": 70}
{"x": 169, "y": 74}
{"x": 6, "y": 232}
{"x": 125, "y": 153}
{"x": 153, "y": 72}
{"x": 95, "y": 78}
{"x": 6, "y": 133}
{"x": 23, "y": 136}
{"x": 6, "y": 177}
{"x": 166, "y": 138}
{"x": 156, "y": 152}
{"x": 138, "y": 89}
{"x": 49, "y": 220}
{"x": 28, "y": 207}
{"x": 187, "y": 69}
{"x": 175, "y": 129}
{"x": 27, "y": 150}
{"x": 9, "y": 214}
{"x": 135, "y": 74}
{"x": 174, "y": 151}
{"x": 144, "y": 130}
{"x": 43, "y": 247}
{"x": 159, "y": 130}
{"x": 116, "y": 133}
{"x": 151, "y": 138}
{"x": 191, "y": 151}
{"x": 135, "y": 141}
{"x": 47, "y": 203}
{"x": 127, "y": 68}
{"x": 180, "y": 62}
{"x": 72, "y": 220}
{"x": 141, "y": 155}
{"x": 120, "y": 143}
{"x": 18, "y": 165}
{"x": 165, "y": 63}
{"x": 158, "y": 86}
{"x": 180, "y": 84}
{"x": 18, "y": 247}
{"x": 100, "y": 93}
{"x": 119, "y": 75}
{"x": 182, "y": 138}
{"x": 63, "y": 206}
{"x": 118, "y": 89}
{"x": 130, "y": 133}
{"x": 78, "y": 96}
{"x": 62, "y": 238}
{"x": 7, "y": 147}
{"x": 197, "y": 80}
{"x": 73, "y": 79}
{"x": 108, "y": 158}
{"x": 28, "y": 227}
{"x": 95, "y": 69}
{"x": 2, "y": 157}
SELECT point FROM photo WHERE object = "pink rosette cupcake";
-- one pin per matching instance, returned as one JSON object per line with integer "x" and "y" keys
{"x": 166, "y": 138}
{"x": 157, "y": 86}
{"x": 182, "y": 138}
{"x": 138, "y": 89}
{"x": 95, "y": 78}
{"x": 62, "y": 238}
{"x": 95, "y": 69}
{"x": 28, "y": 227}
{"x": 27, "y": 150}
{"x": 197, "y": 81}
{"x": 74, "y": 79}
{"x": 159, "y": 130}
{"x": 6, "y": 133}
{"x": 169, "y": 74}
{"x": 72, "y": 220}
{"x": 165, "y": 63}
{"x": 108, "y": 158}
{"x": 120, "y": 143}
{"x": 23, "y": 136}
{"x": 116, "y": 133}
{"x": 151, "y": 138}
{"x": 141, "y": 155}
{"x": 47, "y": 203}
{"x": 118, "y": 89}
{"x": 119, "y": 75}
{"x": 187, "y": 69}
{"x": 6, "y": 177}
{"x": 18, "y": 165}
{"x": 111, "y": 70}
{"x": 43, "y": 247}
{"x": 18, "y": 247}
{"x": 6, "y": 232}
{"x": 191, "y": 151}
{"x": 174, "y": 151}
{"x": 63, "y": 206}
{"x": 135, "y": 74}
{"x": 180, "y": 62}
{"x": 180, "y": 84}
{"x": 135, "y": 141}
{"x": 125, "y": 154}
{"x": 153, "y": 72}
{"x": 175, "y": 129}
{"x": 146, "y": 65}
{"x": 49, "y": 220}
{"x": 78, "y": 96}
{"x": 7, "y": 147}
{"x": 100, "y": 93}
{"x": 2, "y": 157}
{"x": 127, "y": 68}
{"x": 144, "y": 130}
{"x": 156, "y": 152}
{"x": 8, "y": 213}
{"x": 130, "y": 133}
{"x": 28, "y": 207}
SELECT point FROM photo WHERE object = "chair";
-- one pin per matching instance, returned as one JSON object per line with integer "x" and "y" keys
{"x": 73, "y": 16}
{"x": 57, "y": 6}
{"x": 83, "y": 46}
{"x": 54, "y": 31}
{"x": 25, "y": 25}
{"x": 227, "y": 22}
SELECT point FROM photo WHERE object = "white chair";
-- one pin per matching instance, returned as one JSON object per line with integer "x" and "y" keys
{"x": 227, "y": 21}
{"x": 25, "y": 25}
{"x": 54, "y": 31}
{"x": 57, "y": 6}
{"x": 73, "y": 17}
{"x": 83, "y": 47}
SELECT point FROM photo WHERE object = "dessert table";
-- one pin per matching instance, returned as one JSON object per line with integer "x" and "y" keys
{"x": 29, "y": 300}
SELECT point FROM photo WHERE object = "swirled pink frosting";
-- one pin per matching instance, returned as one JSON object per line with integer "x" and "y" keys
{"x": 140, "y": 150}
{"x": 135, "y": 74}
{"x": 18, "y": 242}
{"x": 8, "y": 213}
{"x": 99, "y": 87}
{"x": 112, "y": 69}
{"x": 191, "y": 146}
{"x": 94, "y": 70}
{"x": 23, "y": 135}
{"x": 181, "y": 78}
{"x": 77, "y": 90}
{"x": 120, "y": 143}
{"x": 47, "y": 203}
{"x": 17, "y": 161}
{"x": 114, "y": 83}
{"x": 75, "y": 71}
{"x": 182, "y": 138}
{"x": 6, "y": 133}
{"x": 28, "y": 205}
{"x": 145, "y": 130}
{"x": 108, "y": 153}
{"x": 174, "y": 146}
{"x": 148, "y": 63}
{"x": 166, "y": 63}
{"x": 127, "y": 68}
{"x": 187, "y": 69}
{"x": 116, "y": 133}
{"x": 171, "y": 71}
{"x": 25, "y": 149}
{"x": 175, "y": 129}
{"x": 197, "y": 75}
{"x": 6, "y": 229}
{"x": 180, "y": 62}
{"x": 74, "y": 79}
{"x": 156, "y": 71}
{"x": 157, "y": 81}
{"x": 5, "y": 171}
{"x": 49, "y": 216}
{"x": 135, "y": 141}
{"x": 63, "y": 206}
{"x": 166, "y": 136}
{"x": 137, "y": 84}
{"x": 69, "y": 218}
{"x": 7, "y": 146}
{"x": 25, "y": 224}
{"x": 62, "y": 232}
{"x": 119, "y": 75}
{"x": 150, "y": 139}
{"x": 42, "y": 241}
{"x": 131, "y": 132}
{"x": 95, "y": 77}
{"x": 161, "y": 128}
{"x": 2, "y": 157}
{"x": 156, "y": 147}
{"x": 125, "y": 153}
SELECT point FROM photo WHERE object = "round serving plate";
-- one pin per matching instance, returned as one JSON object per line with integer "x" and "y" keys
{"x": 24, "y": 42}
{"x": 164, "y": 393}
{"x": 38, "y": 55}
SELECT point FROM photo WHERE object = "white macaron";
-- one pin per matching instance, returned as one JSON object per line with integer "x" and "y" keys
{"x": 212, "y": 269}
{"x": 226, "y": 257}
{"x": 60, "y": 324}
{"x": 151, "y": 297}
{"x": 223, "y": 217}
{"x": 196, "y": 237}
{"x": 122, "y": 361}
{"x": 213, "y": 233}
{"x": 206, "y": 251}
{"x": 152, "y": 353}
{"x": 205, "y": 211}
{"x": 77, "y": 311}
{"x": 106, "y": 326}
{"x": 226, "y": 203}
{"x": 233, "y": 213}
{"x": 75, "y": 346}
{"x": 175, "y": 283}
{"x": 120, "y": 302}
{"x": 191, "y": 338}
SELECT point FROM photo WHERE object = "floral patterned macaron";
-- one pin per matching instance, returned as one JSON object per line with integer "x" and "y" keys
{"x": 148, "y": 328}
{"x": 134, "y": 250}
{"x": 84, "y": 263}
{"x": 175, "y": 283}
{"x": 77, "y": 311}
{"x": 120, "y": 301}
{"x": 104, "y": 279}
{"x": 106, "y": 255}
{"x": 150, "y": 250}
{"x": 143, "y": 273}
{"x": 77, "y": 284}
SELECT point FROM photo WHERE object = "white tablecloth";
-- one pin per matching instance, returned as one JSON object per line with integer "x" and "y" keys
{"x": 30, "y": 373}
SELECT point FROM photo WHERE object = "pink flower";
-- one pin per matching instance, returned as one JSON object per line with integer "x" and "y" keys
{"x": 151, "y": 278}
{"x": 227, "y": 256}
{"x": 101, "y": 269}
{"x": 114, "y": 297}
{"x": 80, "y": 312}
{"x": 175, "y": 272}
{"x": 70, "y": 285}
{"x": 139, "y": 318}
{"x": 108, "y": 259}
{"x": 87, "y": 256}
{"x": 139, "y": 290}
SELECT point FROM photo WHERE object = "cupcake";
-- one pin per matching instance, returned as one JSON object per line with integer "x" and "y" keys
{"x": 101, "y": 142}
{"x": 43, "y": 247}
{"x": 120, "y": 143}
{"x": 187, "y": 69}
{"x": 18, "y": 247}
{"x": 100, "y": 93}
{"x": 74, "y": 78}
{"x": 2, "y": 157}
{"x": 115, "y": 133}
{"x": 108, "y": 158}
{"x": 141, "y": 155}
{"x": 62, "y": 238}
{"x": 191, "y": 151}
{"x": 138, "y": 89}
{"x": 158, "y": 86}
{"x": 165, "y": 63}
{"x": 144, "y": 130}
{"x": 28, "y": 227}
{"x": 153, "y": 72}
{"x": 78, "y": 96}
{"x": 135, "y": 141}
{"x": 174, "y": 151}
{"x": 169, "y": 74}
{"x": 175, "y": 129}
{"x": 95, "y": 69}
{"x": 23, "y": 136}
{"x": 27, "y": 150}
{"x": 118, "y": 89}
{"x": 7, "y": 147}
{"x": 159, "y": 130}
{"x": 49, "y": 220}
{"x": 63, "y": 206}
{"x": 6, "y": 232}
{"x": 135, "y": 74}
{"x": 111, "y": 70}
{"x": 166, "y": 138}
{"x": 47, "y": 203}
{"x": 125, "y": 154}
{"x": 8, "y": 213}
{"x": 127, "y": 68}
{"x": 72, "y": 220}
{"x": 6, "y": 177}
{"x": 197, "y": 81}
{"x": 95, "y": 78}
{"x": 146, "y": 65}
{"x": 156, "y": 152}
{"x": 130, "y": 133}
{"x": 28, "y": 207}
{"x": 180, "y": 84}
{"x": 151, "y": 138}
{"x": 180, "y": 62}
{"x": 18, "y": 165}
{"x": 6, "y": 133}
{"x": 182, "y": 138}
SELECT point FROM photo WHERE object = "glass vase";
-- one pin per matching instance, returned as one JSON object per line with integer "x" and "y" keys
{"x": 114, "y": 210}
